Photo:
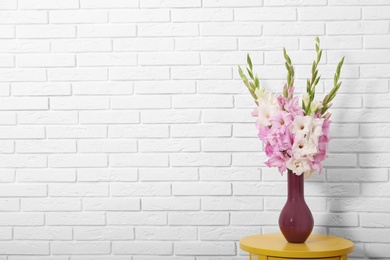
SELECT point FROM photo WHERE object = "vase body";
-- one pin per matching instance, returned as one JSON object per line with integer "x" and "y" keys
{"x": 295, "y": 221}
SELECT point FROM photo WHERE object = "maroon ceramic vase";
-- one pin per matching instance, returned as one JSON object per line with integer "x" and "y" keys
{"x": 295, "y": 221}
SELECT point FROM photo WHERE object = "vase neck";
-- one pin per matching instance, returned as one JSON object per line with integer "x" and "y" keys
{"x": 295, "y": 186}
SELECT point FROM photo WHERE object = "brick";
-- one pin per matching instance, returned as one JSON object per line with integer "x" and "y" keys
{"x": 102, "y": 4}
{"x": 230, "y": 145}
{"x": 357, "y": 175}
{"x": 230, "y": 29}
{"x": 52, "y": 204}
{"x": 106, "y": 59}
{"x": 377, "y": 250}
{"x": 372, "y": 235}
{"x": 254, "y": 218}
{"x": 79, "y": 74}
{"x": 229, "y": 58}
{"x": 169, "y": 145}
{"x": 169, "y": 58}
{"x": 139, "y": 73}
{"x": 374, "y": 160}
{"x": 219, "y": 116}
{"x": 77, "y": 160}
{"x": 198, "y": 219}
{"x": 9, "y": 205}
{"x": 46, "y": 175}
{"x": 47, "y": 117}
{"x": 169, "y": 4}
{"x": 168, "y": 174}
{"x": 166, "y": 233}
{"x": 232, "y": 204}
{"x": 353, "y": 28}
{"x": 23, "y": 160}
{"x": 201, "y": 73}
{"x": 40, "y": 89}
{"x": 291, "y": 29}
{"x": 226, "y": 233}
{"x": 45, "y": 31}
{"x": 76, "y": 131}
{"x": 265, "y": 14}
{"x": 75, "y": 218}
{"x": 361, "y": 145}
{"x": 102, "y": 88}
{"x": 140, "y": 160}
{"x": 24, "y": 46}
{"x": 83, "y": 248}
{"x": 376, "y": 101}
{"x": 360, "y": 205}
{"x": 22, "y": 75}
{"x": 139, "y": 16}
{"x": 168, "y": 29}
{"x": 343, "y": 42}
{"x": 140, "y": 102}
{"x": 376, "y": 220}
{"x": 48, "y": 4}
{"x": 109, "y": 117}
{"x": 78, "y": 190}
{"x": 170, "y": 116}
{"x": 24, "y": 103}
{"x": 142, "y": 248}
{"x": 165, "y": 87}
{"x": 140, "y": 189}
{"x": 137, "y": 218}
{"x": 202, "y": 15}
{"x": 229, "y": 174}
{"x": 45, "y": 146}
{"x": 293, "y": 2}
{"x": 205, "y": 44}
{"x": 106, "y": 175}
{"x": 201, "y": 189}
{"x": 375, "y": 130}
{"x": 42, "y": 233}
{"x": 106, "y": 30}
{"x": 201, "y": 130}
{"x": 231, "y": 3}
{"x": 138, "y": 131}
{"x": 336, "y": 219}
{"x": 200, "y": 159}
{"x": 267, "y": 43}
{"x": 81, "y": 103}
{"x": 106, "y": 146}
{"x": 45, "y": 60}
{"x": 22, "y": 219}
{"x": 143, "y": 44}
{"x": 103, "y": 233}
{"x": 7, "y": 147}
{"x": 169, "y": 204}
{"x": 248, "y": 159}
{"x": 92, "y": 204}
{"x": 329, "y": 14}
{"x": 202, "y": 101}
{"x": 205, "y": 248}
{"x": 81, "y": 45}
{"x": 8, "y": 4}
{"x": 79, "y": 17}
{"x": 377, "y": 189}
{"x": 25, "y": 248}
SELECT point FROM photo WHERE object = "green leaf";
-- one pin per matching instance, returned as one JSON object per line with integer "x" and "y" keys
{"x": 286, "y": 57}
{"x": 249, "y": 61}
{"x": 250, "y": 73}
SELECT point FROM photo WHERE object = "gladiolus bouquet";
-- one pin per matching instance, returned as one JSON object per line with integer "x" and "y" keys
{"x": 295, "y": 137}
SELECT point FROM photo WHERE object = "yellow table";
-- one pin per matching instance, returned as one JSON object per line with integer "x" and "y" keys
{"x": 316, "y": 247}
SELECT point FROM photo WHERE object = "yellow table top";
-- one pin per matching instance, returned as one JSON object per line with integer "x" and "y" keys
{"x": 315, "y": 246}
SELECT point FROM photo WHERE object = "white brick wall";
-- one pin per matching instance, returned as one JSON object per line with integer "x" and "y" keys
{"x": 125, "y": 131}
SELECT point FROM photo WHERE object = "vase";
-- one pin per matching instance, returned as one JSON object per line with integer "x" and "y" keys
{"x": 295, "y": 221}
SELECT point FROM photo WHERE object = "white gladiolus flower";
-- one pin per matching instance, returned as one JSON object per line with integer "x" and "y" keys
{"x": 298, "y": 166}
{"x": 303, "y": 147}
{"x": 301, "y": 125}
